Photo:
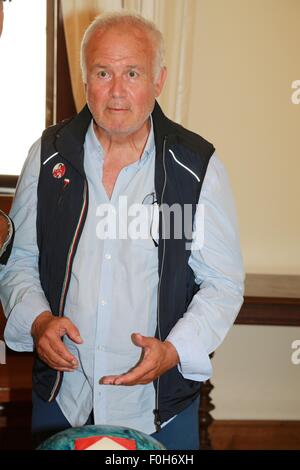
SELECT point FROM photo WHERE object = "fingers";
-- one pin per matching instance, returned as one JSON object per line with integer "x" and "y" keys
{"x": 108, "y": 379}
{"x": 48, "y": 331}
{"x": 157, "y": 357}
{"x": 139, "y": 375}
{"x": 73, "y": 333}
{"x": 55, "y": 354}
{"x": 140, "y": 340}
{"x": 59, "y": 349}
{"x": 56, "y": 362}
{"x": 145, "y": 372}
{"x": 129, "y": 378}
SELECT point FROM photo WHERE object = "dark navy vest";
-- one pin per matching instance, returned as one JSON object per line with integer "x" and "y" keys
{"x": 61, "y": 212}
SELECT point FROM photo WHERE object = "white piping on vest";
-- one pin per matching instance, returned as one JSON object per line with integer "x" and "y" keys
{"x": 49, "y": 158}
{"x": 181, "y": 164}
{"x": 66, "y": 279}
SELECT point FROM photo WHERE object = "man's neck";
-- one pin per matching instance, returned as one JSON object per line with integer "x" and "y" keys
{"x": 127, "y": 146}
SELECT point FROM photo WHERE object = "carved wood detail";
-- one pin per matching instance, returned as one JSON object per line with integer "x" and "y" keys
{"x": 205, "y": 418}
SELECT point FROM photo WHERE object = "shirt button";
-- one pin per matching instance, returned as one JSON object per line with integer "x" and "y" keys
{"x": 108, "y": 256}
{"x": 103, "y": 302}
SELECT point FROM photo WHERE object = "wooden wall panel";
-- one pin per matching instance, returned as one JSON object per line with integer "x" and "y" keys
{"x": 255, "y": 435}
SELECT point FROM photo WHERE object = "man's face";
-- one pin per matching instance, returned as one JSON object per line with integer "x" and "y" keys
{"x": 120, "y": 86}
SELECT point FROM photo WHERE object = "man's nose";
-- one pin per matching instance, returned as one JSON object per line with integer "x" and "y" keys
{"x": 118, "y": 87}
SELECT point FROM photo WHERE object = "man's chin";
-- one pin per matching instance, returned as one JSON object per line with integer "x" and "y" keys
{"x": 122, "y": 127}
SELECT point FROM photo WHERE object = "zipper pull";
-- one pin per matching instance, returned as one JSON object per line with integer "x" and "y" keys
{"x": 157, "y": 420}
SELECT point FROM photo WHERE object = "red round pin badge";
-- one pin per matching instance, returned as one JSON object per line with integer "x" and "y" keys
{"x": 59, "y": 170}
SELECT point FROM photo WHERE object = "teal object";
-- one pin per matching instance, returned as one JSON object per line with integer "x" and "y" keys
{"x": 65, "y": 440}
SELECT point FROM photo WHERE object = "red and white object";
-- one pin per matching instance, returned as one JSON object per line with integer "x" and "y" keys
{"x": 104, "y": 443}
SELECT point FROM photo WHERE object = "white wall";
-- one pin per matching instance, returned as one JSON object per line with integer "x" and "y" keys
{"x": 254, "y": 376}
{"x": 246, "y": 58}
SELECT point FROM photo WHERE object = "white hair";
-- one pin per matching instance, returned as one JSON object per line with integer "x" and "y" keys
{"x": 109, "y": 20}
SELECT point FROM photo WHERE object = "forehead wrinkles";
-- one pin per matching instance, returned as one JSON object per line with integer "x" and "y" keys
{"x": 118, "y": 44}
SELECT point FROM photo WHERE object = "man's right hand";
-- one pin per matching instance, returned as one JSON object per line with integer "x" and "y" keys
{"x": 47, "y": 331}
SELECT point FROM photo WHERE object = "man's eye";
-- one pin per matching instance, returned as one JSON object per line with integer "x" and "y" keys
{"x": 132, "y": 74}
{"x": 103, "y": 74}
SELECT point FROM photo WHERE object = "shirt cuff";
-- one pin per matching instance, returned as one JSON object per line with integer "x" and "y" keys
{"x": 9, "y": 235}
{"x": 194, "y": 363}
{"x": 17, "y": 333}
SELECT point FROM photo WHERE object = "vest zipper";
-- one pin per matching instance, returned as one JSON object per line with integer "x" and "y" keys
{"x": 67, "y": 277}
{"x": 157, "y": 417}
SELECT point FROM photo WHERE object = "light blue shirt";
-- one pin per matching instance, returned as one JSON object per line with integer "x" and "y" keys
{"x": 113, "y": 289}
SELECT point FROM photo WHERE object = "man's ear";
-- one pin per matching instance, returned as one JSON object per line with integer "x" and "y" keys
{"x": 159, "y": 82}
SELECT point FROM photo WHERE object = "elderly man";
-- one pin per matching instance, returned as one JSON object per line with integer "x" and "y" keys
{"x": 6, "y": 227}
{"x": 122, "y": 325}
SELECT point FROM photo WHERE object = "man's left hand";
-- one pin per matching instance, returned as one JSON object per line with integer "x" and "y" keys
{"x": 157, "y": 358}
